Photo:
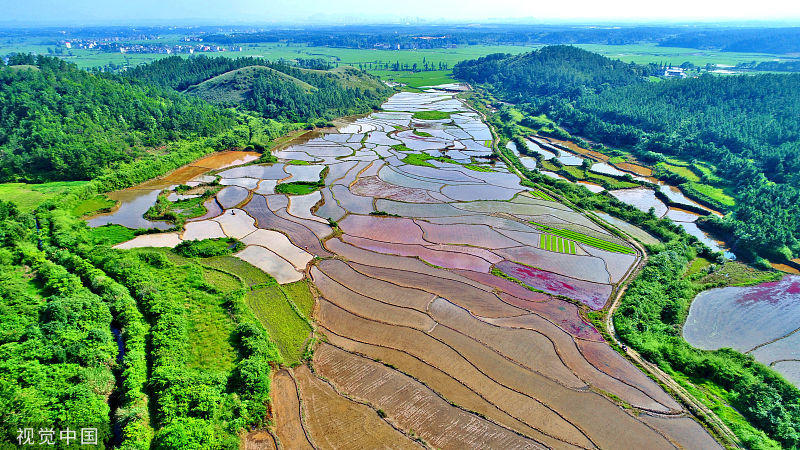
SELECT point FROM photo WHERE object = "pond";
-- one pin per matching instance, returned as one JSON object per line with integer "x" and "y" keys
{"x": 135, "y": 201}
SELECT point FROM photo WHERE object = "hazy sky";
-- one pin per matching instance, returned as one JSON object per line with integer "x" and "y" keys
{"x": 265, "y": 11}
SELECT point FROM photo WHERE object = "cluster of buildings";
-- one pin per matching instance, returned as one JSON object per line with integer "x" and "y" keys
{"x": 121, "y": 47}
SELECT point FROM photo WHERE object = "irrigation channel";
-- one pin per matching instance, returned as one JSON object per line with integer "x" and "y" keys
{"x": 452, "y": 300}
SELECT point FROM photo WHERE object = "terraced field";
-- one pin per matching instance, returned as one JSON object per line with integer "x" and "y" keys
{"x": 450, "y": 300}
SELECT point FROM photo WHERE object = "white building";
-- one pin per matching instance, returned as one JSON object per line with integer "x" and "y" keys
{"x": 675, "y": 72}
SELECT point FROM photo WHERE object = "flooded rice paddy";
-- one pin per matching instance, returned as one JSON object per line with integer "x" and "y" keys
{"x": 760, "y": 320}
{"x": 435, "y": 285}
{"x": 642, "y": 198}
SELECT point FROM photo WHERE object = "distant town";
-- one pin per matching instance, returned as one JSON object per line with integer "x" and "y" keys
{"x": 117, "y": 45}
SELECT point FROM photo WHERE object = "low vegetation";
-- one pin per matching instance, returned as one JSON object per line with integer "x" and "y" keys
{"x": 207, "y": 248}
{"x": 431, "y": 115}
{"x": 302, "y": 187}
{"x": 95, "y": 205}
{"x": 542, "y": 195}
{"x": 179, "y": 211}
{"x": 421, "y": 133}
{"x": 421, "y": 159}
{"x": 556, "y": 244}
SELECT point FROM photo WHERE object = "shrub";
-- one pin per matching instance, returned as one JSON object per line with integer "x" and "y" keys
{"x": 207, "y": 248}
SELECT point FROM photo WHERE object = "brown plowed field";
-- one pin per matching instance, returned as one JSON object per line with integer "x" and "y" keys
{"x": 477, "y": 301}
{"x": 369, "y": 258}
{"x": 286, "y": 412}
{"x": 529, "y": 349}
{"x": 368, "y": 307}
{"x": 572, "y": 357}
{"x": 337, "y": 422}
{"x": 443, "y": 384}
{"x": 441, "y": 356}
{"x": 412, "y": 405}
{"x": 259, "y": 440}
{"x": 612, "y": 363}
{"x": 390, "y": 293}
{"x": 684, "y": 431}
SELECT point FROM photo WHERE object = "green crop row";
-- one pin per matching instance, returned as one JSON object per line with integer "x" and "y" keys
{"x": 556, "y": 244}
{"x": 584, "y": 239}
{"x": 542, "y": 195}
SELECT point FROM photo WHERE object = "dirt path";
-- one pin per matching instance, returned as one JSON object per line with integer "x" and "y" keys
{"x": 697, "y": 408}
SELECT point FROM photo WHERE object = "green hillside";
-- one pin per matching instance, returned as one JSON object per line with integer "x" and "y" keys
{"x": 273, "y": 89}
{"x": 58, "y": 122}
{"x": 236, "y": 86}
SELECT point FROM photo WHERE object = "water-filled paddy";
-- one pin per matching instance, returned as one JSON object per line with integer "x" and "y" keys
{"x": 133, "y": 204}
{"x": 641, "y": 198}
{"x": 760, "y": 319}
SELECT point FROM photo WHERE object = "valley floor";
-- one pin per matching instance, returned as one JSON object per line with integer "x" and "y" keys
{"x": 451, "y": 300}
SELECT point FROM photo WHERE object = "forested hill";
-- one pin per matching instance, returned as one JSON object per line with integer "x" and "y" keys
{"x": 61, "y": 123}
{"x": 744, "y": 125}
{"x": 555, "y": 70}
{"x": 58, "y": 122}
{"x": 273, "y": 89}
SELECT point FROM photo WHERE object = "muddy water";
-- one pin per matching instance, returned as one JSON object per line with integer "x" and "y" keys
{"x": 762, "y": 320}
{"x": 135, "y": 201}
{"x": 635, "y": 169}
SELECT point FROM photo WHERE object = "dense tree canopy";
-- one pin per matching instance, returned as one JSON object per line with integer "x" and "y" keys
{"x": 745, "y": 125}
{"x": 285, "y": 92}
{"x": 555, "y": 70}
{"x": 59, "y": 122}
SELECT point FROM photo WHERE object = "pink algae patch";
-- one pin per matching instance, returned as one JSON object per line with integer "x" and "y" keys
{"x": 592, "y": 295}
{"x": 564, "y": 315}
{"x": 773, "y": 292}
{"x": 443, "y": 258}
{"x": 387, "y": 229}
{"x": 561, "y": 313}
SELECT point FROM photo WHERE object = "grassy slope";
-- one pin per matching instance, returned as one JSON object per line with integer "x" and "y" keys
{"x": 350, "y": 77}
{"x": 287, "y": 329}
{"x": 28, "y": 196}
{"x": 234, "y": 86}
